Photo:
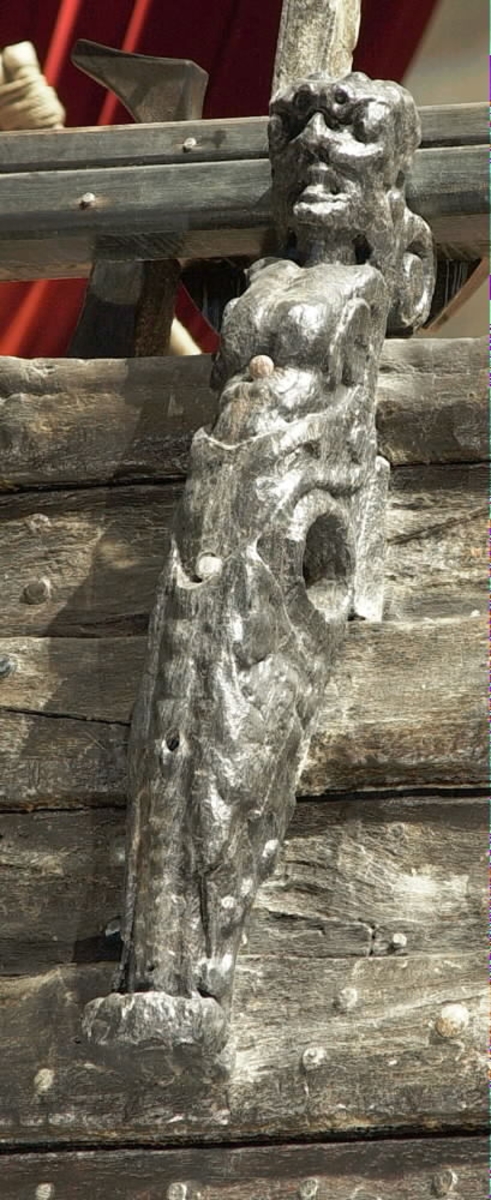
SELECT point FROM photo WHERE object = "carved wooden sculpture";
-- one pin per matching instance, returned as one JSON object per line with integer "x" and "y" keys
{"x": 277, "y": 542}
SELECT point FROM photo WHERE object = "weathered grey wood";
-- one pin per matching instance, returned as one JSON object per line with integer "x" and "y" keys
{"x": 431, "y": 400}
{"x": 315, "y": 36}
{"x": 64, "y": 422}
{"x": 370, "y": 1045}
{"x": 217, "y": 141}
{"x": 158, "y": 212}
{"x": 98, "y": 553}
{"x": 76, "y": 762}
{"x": 409, "y": 1170}
{"x": 429, "y": 676}
{"x": 356, "y": 878}
{"x": 436, "y": 542}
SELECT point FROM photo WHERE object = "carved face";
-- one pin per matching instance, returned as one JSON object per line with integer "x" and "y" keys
{"x": 339, "y": 153}
{"x": 337, "y": 148}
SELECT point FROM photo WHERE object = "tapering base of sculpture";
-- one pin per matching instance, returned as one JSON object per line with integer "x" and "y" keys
{"x": 180, "y": 1026}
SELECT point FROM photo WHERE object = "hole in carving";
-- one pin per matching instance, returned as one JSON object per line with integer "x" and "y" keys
{"x": 363, "y": 249}
{"x": 400, "y": 179}
{"x": 172, "y": 740}
{"x": 328, "y": 564}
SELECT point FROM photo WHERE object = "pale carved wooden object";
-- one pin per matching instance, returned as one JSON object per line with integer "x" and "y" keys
{"x": 315, "y": 35}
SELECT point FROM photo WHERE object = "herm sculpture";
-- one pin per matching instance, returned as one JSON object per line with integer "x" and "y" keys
{"x": 276, "y": 544}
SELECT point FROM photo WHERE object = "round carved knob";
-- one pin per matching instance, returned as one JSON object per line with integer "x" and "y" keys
{"x": 260, "y": 366}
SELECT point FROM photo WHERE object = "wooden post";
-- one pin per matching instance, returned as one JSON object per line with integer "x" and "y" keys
{"x": 315, "y": 35}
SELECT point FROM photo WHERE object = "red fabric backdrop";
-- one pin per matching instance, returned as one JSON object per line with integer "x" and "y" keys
{"x": 234, "y": 40}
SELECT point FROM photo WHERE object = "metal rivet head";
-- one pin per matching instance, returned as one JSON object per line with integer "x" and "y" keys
{"x": 37, "y": 592}
{"x": 7, "y": 666}
{"x": 345, "y": 1000}
{"x": 308, "y": 1189}
{"x": 398, "y": 941}
{"x": 44, "y": 1191}
{"x": 178, "y": 1191}
{"x": 87, "y": 200}
{"x": 189, "y": 144}
{"x": 452, "y": 1020}
{"x": 261, "y": 366}
{"x": 443, "y": 1182}
{"x": 43, "y": 1080}
{"x": 313, "y": 1058}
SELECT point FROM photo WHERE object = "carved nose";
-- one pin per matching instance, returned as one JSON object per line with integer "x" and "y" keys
{"x": 316, "y": 134}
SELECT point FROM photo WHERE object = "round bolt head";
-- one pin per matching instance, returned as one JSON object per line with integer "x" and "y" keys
{"x": 313, "y": 1058}
{"x": 261, "y": 366}
{"x": 37, "y": 592}
{"x": 399, "y": 941}
{"x": 345, "y": 1000}
{"x": 443, "y": 1182}
{"x": 87, "y": 200}
{"x": 189, "y": 144}
{"x": 452, "y": 1020}
{"x": 308, "y": 1190}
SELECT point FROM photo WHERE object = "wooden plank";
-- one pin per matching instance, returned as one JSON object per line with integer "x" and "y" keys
{"x": 64, "y": 422}
{"x": 156, "y": 212}
{"x": 356, "y": 878}
{"x": 88, "y": 561}
{"x": 408, "y": 1169}
{"x": 429, "y": 675}
{"x": 215, "y": 141}
{"x": 78, "y": 762}
{"x": 371, "y": 1045}
{"x": 431, "y": 404}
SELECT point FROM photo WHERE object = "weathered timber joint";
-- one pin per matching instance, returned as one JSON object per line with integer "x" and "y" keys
{"x": 277, "y": 542}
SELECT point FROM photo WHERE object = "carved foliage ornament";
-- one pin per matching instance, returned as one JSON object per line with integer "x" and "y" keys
{"x": 277, "y": 542}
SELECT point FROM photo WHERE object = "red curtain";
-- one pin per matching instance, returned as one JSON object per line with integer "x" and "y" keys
{"x": 234, "y": 40}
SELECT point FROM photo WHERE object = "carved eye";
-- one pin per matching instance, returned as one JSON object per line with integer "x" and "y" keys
{"x": 303, "y": 101}
{"x": 340, "y": 96}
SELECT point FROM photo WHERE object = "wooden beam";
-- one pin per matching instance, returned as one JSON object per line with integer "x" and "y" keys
{"x": 407, "y": 1169}
{"x": 63, "y": 875}
{"x": 96, "y": 554}
{"x": 215, "y": 141}
{"x": 429, "y": 675}
{"x": 77, "y": 423}
{"x": 49, "y": 228}
{"x": 373, "y": 1045}
{"x": 315, "y": 35}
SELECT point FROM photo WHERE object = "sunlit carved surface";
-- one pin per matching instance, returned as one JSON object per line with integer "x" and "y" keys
{"x": 278, "y": 541}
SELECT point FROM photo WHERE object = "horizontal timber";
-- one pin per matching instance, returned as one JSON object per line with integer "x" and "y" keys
{"x": 215, "y": 141}
{"x": 68, "y": 422}
{"x": 357, "y": 878}
{"x": 371, "y": 1045}
{"x": 429, "y": 675}
{"x": 98, "y": 552}
{"x": 192, "y": 209}
{"x": 407, "y": 1169}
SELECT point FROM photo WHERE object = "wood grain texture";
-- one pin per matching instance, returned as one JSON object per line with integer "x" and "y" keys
{"x": 430, "y": 676}
{"x": 169, "y": 210}
{"x": 408, "y": 1170}
{"x": 225, "y": 139}
{"x": 70, "y": 422}
{"x": 370, "y": 1044}
{"x": 314, "y": 37}
{"x": 356, "y": 878}
{"x": 96, "y": 554}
